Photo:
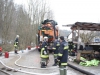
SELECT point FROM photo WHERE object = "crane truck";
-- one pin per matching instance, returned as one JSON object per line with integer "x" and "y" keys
{"x": 47, "y": 29}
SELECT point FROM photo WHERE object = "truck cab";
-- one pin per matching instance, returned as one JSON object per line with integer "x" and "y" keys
{"x": 47, "y": 29}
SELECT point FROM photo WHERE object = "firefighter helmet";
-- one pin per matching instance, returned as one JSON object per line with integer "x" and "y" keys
{"x": 45, "y": 38}
{"x": 17, "y": 36}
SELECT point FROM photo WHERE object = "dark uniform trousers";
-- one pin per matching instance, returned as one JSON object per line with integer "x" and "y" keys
{"x": 62, "y": 57}
{"x": 55, "y": 48}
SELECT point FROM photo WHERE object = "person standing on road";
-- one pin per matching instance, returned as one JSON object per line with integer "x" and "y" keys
{"x": 55, "y": 51}
{"x": 16, "y": 44}
{"x": 44, "y": 53}
{"x": 63, "y": 55}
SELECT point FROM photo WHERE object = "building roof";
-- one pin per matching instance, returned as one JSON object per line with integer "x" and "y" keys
{"x": 86, "y": 26}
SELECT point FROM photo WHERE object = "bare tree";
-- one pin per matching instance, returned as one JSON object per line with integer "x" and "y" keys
{"x": 7, "y": 19}
{"x": 87, "y": 36}
{"x": 17, "y": 19}
{"x": 38, "y": 11}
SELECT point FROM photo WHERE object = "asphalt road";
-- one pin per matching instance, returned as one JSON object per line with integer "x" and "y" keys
{"x": 31, "y": 60}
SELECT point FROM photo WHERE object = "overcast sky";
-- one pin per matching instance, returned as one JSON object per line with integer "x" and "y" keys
{"x": 71, "y": 11}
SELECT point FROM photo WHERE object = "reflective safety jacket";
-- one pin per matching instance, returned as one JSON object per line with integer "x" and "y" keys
{"x": 44, "y": 52}
{"x": 63, "y": 53}
{"x": 44, "y": 45}
{"x": 71, "y": 45}
{"x": 56, "y": 47}
{"x": 85, "y": 62}
{"x": 16, "y": 42}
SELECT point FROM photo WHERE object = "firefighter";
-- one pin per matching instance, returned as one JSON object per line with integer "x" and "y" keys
{"x": 63, "y": 55}
{"x": 55, "y": 51}
{"x": 44, "y": 53}
{"x": 71, "y": 48}
{"x": 16, "y": 44}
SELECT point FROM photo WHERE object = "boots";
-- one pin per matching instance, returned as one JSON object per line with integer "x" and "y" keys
{"x": 54, "y": 64}
{"x": 16, "y": 52}
{"x": 43, "y": 65}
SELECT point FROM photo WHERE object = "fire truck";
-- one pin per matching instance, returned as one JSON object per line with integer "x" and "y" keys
{"x": 47, "y": 29}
